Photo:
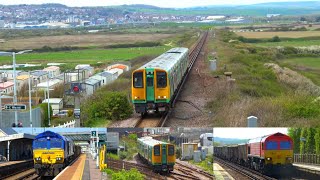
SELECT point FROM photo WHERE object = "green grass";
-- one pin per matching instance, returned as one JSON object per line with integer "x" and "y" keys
{"x": 205, "y": 164}
{"x": 98, "y": 122}
{"x": 307, "y": 66}
{"x": 296, "y": 43}
{"x": 87, "y": 56}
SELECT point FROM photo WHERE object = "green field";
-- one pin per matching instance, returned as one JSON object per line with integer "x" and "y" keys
{"x": 86, "y": 56}
{"x": 295, "y": 43}
{"x": 307, "y": 66}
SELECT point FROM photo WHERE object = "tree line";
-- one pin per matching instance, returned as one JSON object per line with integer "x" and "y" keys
{"x": 305, "y": 140}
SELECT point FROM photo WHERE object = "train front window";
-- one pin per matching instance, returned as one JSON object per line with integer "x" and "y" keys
{"x": 271, "y": 145}
{"x": 285, "y": 145}
{"x": 138, "y": 80}
{"x": 161, "y": 79}
{"x": 156, "y": 150}
{"x": 55, "y": 143}
{"x": 171, "y": 150}
{"x": 149, "y": 81}
{"x": 210, "y": 138}
{"x": 40, "y": 143}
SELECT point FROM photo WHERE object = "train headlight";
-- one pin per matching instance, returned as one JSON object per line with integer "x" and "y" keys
{"x": 165, "y": 97}
{"x": 269, "y": 159}
{"x": 38, "y": 158}
{"x": 135, "y": 97}
{"x": 159, "y": 97}
{"x": 59, "y": 159}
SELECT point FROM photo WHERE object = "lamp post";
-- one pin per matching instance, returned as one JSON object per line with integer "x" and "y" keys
{"x": 13, "y": 54}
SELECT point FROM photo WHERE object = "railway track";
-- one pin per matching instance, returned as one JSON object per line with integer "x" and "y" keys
{"x": 29, "y": 174}
{"x": 147, "y": 121}
{"x": 249, "y": 173}
{"x": 193, "y": 173}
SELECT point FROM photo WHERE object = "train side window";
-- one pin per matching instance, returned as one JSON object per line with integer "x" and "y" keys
{"x": 161, "y": 79}
{"x": 171, "y": 150}
{"x": 138, "y": 80}
{"x": 248, "y": 149}
{"x": 157, "y": 150}
{"x": 262, "y": 146}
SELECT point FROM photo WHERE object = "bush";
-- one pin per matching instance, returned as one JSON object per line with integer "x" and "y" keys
{"x": 123, "y": 155}
{"x": 132, "y": 174}
{"x": 44, "y": 114}
{"x": 275, "y": 39}
{"x": 107, "y": 105}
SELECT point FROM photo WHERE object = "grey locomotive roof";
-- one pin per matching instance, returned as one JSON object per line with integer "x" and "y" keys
{"x": 166, "y": 60}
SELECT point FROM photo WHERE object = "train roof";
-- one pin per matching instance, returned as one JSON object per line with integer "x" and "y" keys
{"x": 150, "y": 141}
{"x": 166, "y": 60}
{"x": 51, "y": 135}
{"x": 263, "y": 138}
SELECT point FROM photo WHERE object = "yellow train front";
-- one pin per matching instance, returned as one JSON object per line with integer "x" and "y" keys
{"x": 160, "y": 155}
{"x": 155, "y": 83}
{"x": 52, "y": 153}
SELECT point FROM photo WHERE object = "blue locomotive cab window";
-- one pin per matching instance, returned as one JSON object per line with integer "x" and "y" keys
{"x": 271, "y": 145}
{"x": 171, "y": 150}
{"x": 161, "y": 79}
{"x": 156, "y": 150}
{"x": 138, "y": 80}
{"x": 56, "y": 143}
{"x": 285, "y": 145}
{"x": 40, "y": 143}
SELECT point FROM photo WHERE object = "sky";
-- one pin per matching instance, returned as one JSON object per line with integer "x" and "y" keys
{"x": 246, "y": 133}
{"x": 159, "y": 3}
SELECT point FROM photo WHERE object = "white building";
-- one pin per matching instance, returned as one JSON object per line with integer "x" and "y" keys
{"x": 52, "y": 84}
{"x": 56, "y": 104}
{"x": 53, "y": 71}
{"x": 92, "y": 85}
{"x": 104, "y": 78}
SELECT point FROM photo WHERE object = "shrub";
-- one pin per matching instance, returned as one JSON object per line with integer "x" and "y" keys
{"x": 44, "y": 114}
{"x": 132, "y": 174}
{"x": 275, "y": 39}
{"x": 107, "y": 105}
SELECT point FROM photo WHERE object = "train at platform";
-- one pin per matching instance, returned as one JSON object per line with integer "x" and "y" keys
{"x": 268, "y": 154}
{"x": 52, "y": 152}
{"x": 156, "y": 83}
{"x": 160, "y": 155}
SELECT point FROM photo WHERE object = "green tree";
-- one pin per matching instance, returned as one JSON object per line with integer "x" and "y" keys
{"x": 317, "y": 140}
{"x": 44, "y": 114}
{"x": 295, "y": 134}
{"x": 275, "y": 39}
{"x": 303, "y": 142}
{"x": 310, "y": 143}
{"x": 106, "y": 105}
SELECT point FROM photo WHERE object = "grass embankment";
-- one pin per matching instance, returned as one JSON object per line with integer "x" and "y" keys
{"x": 277, "y": 96}
{"x": 205, "y": 164}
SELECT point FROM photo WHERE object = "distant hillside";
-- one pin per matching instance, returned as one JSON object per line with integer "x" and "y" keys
{"x": 229, "y": 140}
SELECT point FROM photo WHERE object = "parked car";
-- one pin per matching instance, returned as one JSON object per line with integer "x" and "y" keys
{"x": 76, "y": 113}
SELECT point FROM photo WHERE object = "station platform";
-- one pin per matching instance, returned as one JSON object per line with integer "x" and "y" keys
{"x": 83, "y": 168}
{"x": 220, "y": 173}
{"x": 308, "y": 167}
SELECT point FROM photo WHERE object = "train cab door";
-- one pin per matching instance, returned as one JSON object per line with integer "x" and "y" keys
{"x": 150, "y": 84}
{"x": 164, "y": 154}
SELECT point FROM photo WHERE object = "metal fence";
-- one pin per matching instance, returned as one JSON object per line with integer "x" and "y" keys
{"x": 307, "y": 158}
{"x": 7, "y": 118}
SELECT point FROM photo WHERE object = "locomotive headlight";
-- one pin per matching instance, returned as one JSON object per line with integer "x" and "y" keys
{"x": 159, "y": 97}
{"x": 289, "y": 158}
{"x": 38, "y": 158}
{"x": 165, "y": 97}
{"x": 58, "y": 158}
{"x": 135, "y": 97}
{"x": 269, "y": 159}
